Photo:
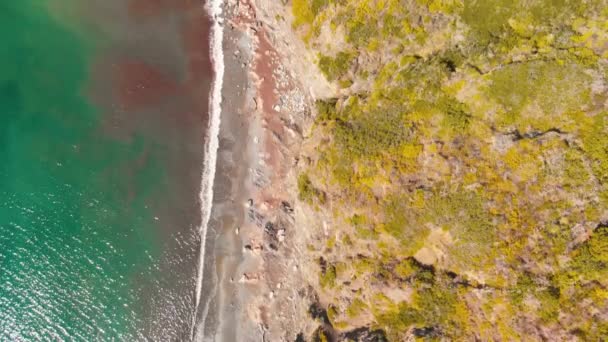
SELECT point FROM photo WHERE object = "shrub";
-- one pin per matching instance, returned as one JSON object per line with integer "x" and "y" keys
{"x": 305, "y": 11}
{"x": 332, "y": 312}
{"x": 327, "y": 279}
{"x": 518, "y": 85}
{"x": 400, "y": 320}
{"x": 524, "y": 286}
{"x": 404, "y": 224}
{"x": 405, "y": 269}
{"x": 326, "y": 110}
{"x": 356, "y": 307}
{"x": 364, "y": 265}
{"x": 488, "y": 19}
{"x": 302, "y": 13}
{"x": 307, "y": 192}
{"x": 549, "y": 304}
{"x": 379, "y": 131}
{"x": 595, "y": 145}
{"x": 335, "y": 67}
{"x": 456, "y": 116}
{"x": 598, "y": 244}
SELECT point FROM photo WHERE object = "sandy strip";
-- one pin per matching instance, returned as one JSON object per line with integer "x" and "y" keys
{"x": 253, "y": 280}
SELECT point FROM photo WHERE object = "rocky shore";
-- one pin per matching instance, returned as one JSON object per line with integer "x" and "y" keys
{"x": 256, "y": 270}
{"x": 261, "y": 274}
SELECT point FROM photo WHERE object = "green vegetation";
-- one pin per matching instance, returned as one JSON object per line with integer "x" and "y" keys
{"x": 356, "y": 308}
{"x": 556, "y": 89}
{"x": 305, "y": 11}
{"x": 327, "y": 278}
{"x": 308, "y": 192}
{"x": 335, "y": 67}
{"x": 472, "y": 136}
{"x": 437, "y": 305}
{"x": 598, "y": 246}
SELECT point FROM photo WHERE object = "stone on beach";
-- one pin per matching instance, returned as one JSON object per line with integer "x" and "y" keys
{"x": 250, "y": 278}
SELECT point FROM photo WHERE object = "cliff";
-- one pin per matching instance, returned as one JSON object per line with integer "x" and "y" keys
{"x": 452, "y": 176}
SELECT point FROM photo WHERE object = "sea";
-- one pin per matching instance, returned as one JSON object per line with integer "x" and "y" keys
{"x": 108, "y": 136}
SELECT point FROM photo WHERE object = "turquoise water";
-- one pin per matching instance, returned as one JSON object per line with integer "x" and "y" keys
{"x": 84, "y": 222}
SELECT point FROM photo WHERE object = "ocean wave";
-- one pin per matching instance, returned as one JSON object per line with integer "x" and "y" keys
{"x": 214, "y": 8}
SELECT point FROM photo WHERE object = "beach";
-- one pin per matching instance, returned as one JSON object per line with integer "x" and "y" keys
{"x": 252, "y": 268}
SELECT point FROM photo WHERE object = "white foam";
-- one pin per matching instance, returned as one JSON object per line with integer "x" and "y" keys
{"x": 214, "y": 8}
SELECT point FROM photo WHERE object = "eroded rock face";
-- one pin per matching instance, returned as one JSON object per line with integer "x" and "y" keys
{"x": 363, "y": 335}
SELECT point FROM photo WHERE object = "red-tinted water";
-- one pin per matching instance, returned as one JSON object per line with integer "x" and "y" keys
{"x": 152, "y": 80}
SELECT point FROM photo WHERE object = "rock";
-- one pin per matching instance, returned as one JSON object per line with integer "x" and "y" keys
{"x": 253, "y": 247}
{"x": 291, "y": 132}
{"x": 270, "y": 229}
{"x": 364, "y": 335}
{"x": 431, "y": 332}
{"x": 316, "y": 311}
{"x": 250, "y": 278}
{"x": 286, "y": 207}
{"x": 264, "y": 206}
{"x": 426, "y": 256}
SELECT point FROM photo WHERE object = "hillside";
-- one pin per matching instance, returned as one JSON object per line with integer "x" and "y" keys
{"x": 462, "y": 166}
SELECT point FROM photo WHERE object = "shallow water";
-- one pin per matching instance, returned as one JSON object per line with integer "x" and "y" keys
{"x": 103, "y": 108}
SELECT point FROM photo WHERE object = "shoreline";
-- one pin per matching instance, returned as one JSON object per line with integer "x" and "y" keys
{"x": 230, "y": 189}
{"x": 214, "y": 10}
{"x": 252, "y": 282}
